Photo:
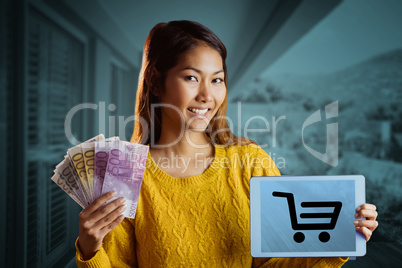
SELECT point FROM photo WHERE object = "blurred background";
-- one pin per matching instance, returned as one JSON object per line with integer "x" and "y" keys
{"x": 287, "y": 60}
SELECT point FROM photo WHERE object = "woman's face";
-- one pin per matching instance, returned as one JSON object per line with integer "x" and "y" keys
{"x": 196, "y": 87}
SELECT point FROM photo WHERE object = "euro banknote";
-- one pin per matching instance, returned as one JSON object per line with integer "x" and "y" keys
{"x": 77, "y": 158}
{"x": 124, "y": 172}
{"x": 100, "y": 165}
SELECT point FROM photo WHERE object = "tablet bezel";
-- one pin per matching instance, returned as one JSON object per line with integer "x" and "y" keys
{"x": 255, "y": 216}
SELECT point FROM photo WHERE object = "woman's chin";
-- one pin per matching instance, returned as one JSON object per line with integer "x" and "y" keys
{"x": 197, "y": 130}
{"x": 197, "y": 126}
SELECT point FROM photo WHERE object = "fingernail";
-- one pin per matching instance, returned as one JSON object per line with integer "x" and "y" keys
{"x": 356, "y": 215}
{"x": 114, "y": 192}
{"x": 122, "y": 199}
{"x": 358, "y": 209}
{"x": 355, "y": 222}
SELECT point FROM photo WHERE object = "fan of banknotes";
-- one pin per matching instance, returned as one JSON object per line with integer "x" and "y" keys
{"x": 101, "y": 165}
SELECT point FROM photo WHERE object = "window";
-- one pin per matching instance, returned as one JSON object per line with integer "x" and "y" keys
{"x": 54, "y": 85}
{"x": 122, "y": 94}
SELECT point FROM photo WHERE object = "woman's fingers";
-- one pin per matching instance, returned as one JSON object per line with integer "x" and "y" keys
{"x": 106, "y": 209}
{"x": 368, "y": 214}
{"x": 99, "y": 202}
{"x": 371, "y": 225}
{"x": 367, "y": 233}
{"x": 97, "y": 210}
{"x": 109, "y": 218}
{"x": 367, "y": 207}
{"x": 367, "y": 226}
{"x": 106, "y": 229}
{"x": 96, "y": 220}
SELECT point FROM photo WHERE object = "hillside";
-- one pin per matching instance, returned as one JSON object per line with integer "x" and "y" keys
{"x": 377, "y": 81}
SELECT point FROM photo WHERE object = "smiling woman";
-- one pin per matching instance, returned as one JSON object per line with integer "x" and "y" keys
{"x": 181, "y": 55}
{"x": 196, "y": 214}
{"x": 197, "y": 91}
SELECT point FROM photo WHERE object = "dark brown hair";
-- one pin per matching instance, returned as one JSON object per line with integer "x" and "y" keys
{"x": 162, "y": 48}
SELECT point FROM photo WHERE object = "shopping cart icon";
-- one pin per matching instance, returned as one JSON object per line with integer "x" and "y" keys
{"x": 323, "y": 236}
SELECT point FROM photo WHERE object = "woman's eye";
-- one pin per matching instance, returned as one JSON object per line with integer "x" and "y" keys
{"x": 218, "y": 80}
{"x": 190, "y": 78}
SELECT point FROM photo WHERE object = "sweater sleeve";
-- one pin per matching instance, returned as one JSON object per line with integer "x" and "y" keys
{"x": 263, "y": 165}
{"x": 117, "y": 250}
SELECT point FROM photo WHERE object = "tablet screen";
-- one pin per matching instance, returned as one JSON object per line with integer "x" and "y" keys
{"x": 305, "y": 216}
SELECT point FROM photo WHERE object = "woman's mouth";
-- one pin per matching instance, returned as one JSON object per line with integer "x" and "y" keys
{"x": 198, "y": 112}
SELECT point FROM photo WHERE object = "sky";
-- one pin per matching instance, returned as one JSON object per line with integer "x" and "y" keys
{"x": 355, "y": 31}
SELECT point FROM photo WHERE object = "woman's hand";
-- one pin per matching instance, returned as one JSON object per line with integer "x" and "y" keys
{"x": 368, "y": 225}
{"x": 95, "y": 221}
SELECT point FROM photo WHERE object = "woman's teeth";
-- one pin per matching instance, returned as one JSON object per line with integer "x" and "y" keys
{"x": 199, "y": 111}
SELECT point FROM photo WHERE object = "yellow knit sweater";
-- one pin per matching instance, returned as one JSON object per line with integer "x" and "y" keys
{"x": 198, "y": 221}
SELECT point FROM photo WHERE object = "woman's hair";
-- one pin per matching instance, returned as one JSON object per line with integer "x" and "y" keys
{"x": 162, "y": 48}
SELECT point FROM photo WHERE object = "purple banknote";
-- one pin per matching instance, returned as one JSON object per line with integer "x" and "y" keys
{"x": 124, "y": 172}
{"x": 101, "y": 158}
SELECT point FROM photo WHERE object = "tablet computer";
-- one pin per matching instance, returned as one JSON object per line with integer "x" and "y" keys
{"x": 306, "y": 216}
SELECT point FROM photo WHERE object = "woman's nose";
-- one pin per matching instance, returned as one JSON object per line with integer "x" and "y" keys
{"x": 204, "y": 93}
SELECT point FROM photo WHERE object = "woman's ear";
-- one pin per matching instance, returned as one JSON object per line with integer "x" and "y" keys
{"x": 155, "y": 92}
{"x": 155, "y": 82}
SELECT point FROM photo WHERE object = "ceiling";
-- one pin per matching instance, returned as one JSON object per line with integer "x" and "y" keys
{"x": 255, "y": 32}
